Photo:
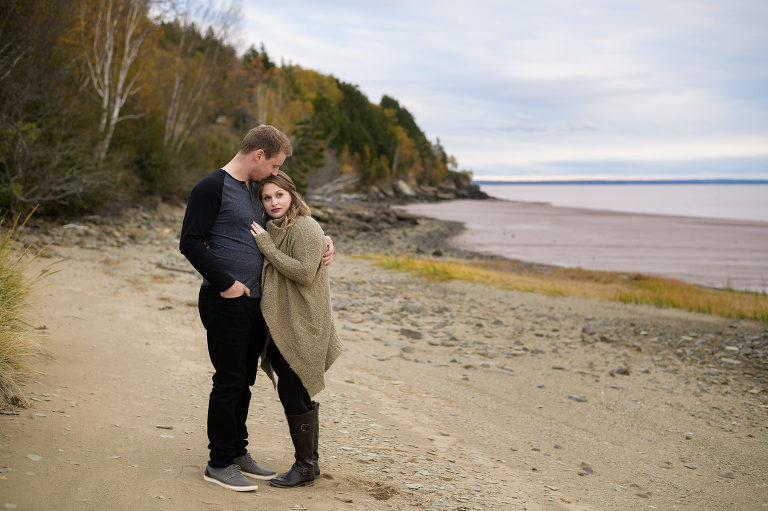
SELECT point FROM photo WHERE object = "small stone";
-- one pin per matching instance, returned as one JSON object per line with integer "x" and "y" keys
{"x": 688, "y": 435}
{"x": 578, "y": 399}
{"x": 553, "y": 488}
{"x": 163, "y": 426}
{"x": 34, "y": 457}
{"x": 728, "y": 474}
{"x": 690, "y": 466}
{"x": 411, "y": 334}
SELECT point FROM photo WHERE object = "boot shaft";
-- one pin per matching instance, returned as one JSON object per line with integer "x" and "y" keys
{"x": 315, "y": 454}
{"x": 302, "y": 430}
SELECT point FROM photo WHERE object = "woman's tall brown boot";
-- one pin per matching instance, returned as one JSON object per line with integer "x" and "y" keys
{"x": 315, "y": 455}
{"x": 302, "y": 429}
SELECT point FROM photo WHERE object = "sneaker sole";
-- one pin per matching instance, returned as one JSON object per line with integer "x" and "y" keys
{"x": 229, "y": 486}
{"x": 261, "y": 478}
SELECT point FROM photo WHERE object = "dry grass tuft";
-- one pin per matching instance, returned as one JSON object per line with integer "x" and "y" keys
{"x": 623, "y": 287}
{"x": 18, "y": 339}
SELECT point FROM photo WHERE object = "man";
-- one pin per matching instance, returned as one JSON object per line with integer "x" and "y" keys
{"x": 215, "y": 238}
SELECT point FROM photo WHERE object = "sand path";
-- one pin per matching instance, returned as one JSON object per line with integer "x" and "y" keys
{"x": 449, "y": 396}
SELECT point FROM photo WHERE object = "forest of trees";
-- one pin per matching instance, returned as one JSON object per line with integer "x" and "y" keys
{"x": 104, "y": 101}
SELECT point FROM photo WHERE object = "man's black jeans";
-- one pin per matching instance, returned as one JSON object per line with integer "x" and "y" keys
{"x": 236, "y": 333}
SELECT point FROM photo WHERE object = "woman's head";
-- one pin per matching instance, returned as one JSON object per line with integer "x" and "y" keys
{"x": 280, "y": 199}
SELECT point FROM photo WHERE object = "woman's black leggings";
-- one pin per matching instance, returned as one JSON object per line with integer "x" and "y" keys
{"x": 293, "y": 396}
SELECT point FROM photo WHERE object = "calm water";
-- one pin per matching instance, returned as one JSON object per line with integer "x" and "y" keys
{"x": 730, "y": 201}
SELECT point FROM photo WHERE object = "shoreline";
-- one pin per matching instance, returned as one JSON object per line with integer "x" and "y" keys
{"x": 633, "y": 213}
{"x": 447, "y": 229}
{"x": 715, "y": 253}
{"x": 734, "y": 201}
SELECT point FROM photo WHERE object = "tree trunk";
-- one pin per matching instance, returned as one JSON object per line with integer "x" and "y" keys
{"x": 120, "y": 28}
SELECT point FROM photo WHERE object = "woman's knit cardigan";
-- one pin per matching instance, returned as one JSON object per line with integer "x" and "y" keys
{"x": 296, "y": 299}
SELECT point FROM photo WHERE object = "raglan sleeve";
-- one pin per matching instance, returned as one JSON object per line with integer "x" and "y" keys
{"x": 202, "y": 208}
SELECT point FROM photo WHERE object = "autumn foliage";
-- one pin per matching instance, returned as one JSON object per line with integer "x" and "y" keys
{"x": 103, "y": 101}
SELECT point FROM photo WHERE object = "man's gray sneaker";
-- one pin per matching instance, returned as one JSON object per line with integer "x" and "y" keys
{"x": 251, "y": 469}
{"x": 229, "y": 477}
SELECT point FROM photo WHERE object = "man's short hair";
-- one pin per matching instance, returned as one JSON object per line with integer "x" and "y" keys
{"x": 268, "y": 138}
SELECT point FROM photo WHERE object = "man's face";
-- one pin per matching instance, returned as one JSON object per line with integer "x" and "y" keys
{"x": 264, "y": 167}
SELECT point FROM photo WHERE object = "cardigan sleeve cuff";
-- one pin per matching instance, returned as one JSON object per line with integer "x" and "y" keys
{"x": 264, "y": 242}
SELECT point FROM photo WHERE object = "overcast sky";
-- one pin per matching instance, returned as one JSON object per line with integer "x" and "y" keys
{"x": 641, "y": 88}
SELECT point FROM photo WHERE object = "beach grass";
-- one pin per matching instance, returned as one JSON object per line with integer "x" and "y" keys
{"x": 603, "y": 285}
{"x": 18, "y": 339}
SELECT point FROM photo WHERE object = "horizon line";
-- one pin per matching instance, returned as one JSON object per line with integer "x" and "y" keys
{"x": 600, "y": 180}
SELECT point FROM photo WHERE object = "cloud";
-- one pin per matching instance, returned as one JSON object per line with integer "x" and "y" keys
{"x": 509, "y": 82}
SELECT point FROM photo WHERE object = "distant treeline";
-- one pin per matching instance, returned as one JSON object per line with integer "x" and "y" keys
{"x": 110, "y": 100}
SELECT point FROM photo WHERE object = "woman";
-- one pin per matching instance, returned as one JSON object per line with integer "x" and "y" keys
{"x": 296, "y": 304}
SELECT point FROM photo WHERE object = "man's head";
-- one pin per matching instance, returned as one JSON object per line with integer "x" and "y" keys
{"x": 265, "y": 148}
{"x": 267, "y": 138}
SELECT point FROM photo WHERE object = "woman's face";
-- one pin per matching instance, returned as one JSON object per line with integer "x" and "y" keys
{"x": 275, "y": 200}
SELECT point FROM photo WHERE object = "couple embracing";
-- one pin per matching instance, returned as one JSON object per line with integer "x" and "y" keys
{"x": 265, "y": 295}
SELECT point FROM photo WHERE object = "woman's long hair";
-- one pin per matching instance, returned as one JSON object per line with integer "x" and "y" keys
{"x": 298, "y": 207}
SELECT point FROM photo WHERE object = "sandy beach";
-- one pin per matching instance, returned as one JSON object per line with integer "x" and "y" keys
{"x": 708, "y": 252}
{"x": 449, "y": 395}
